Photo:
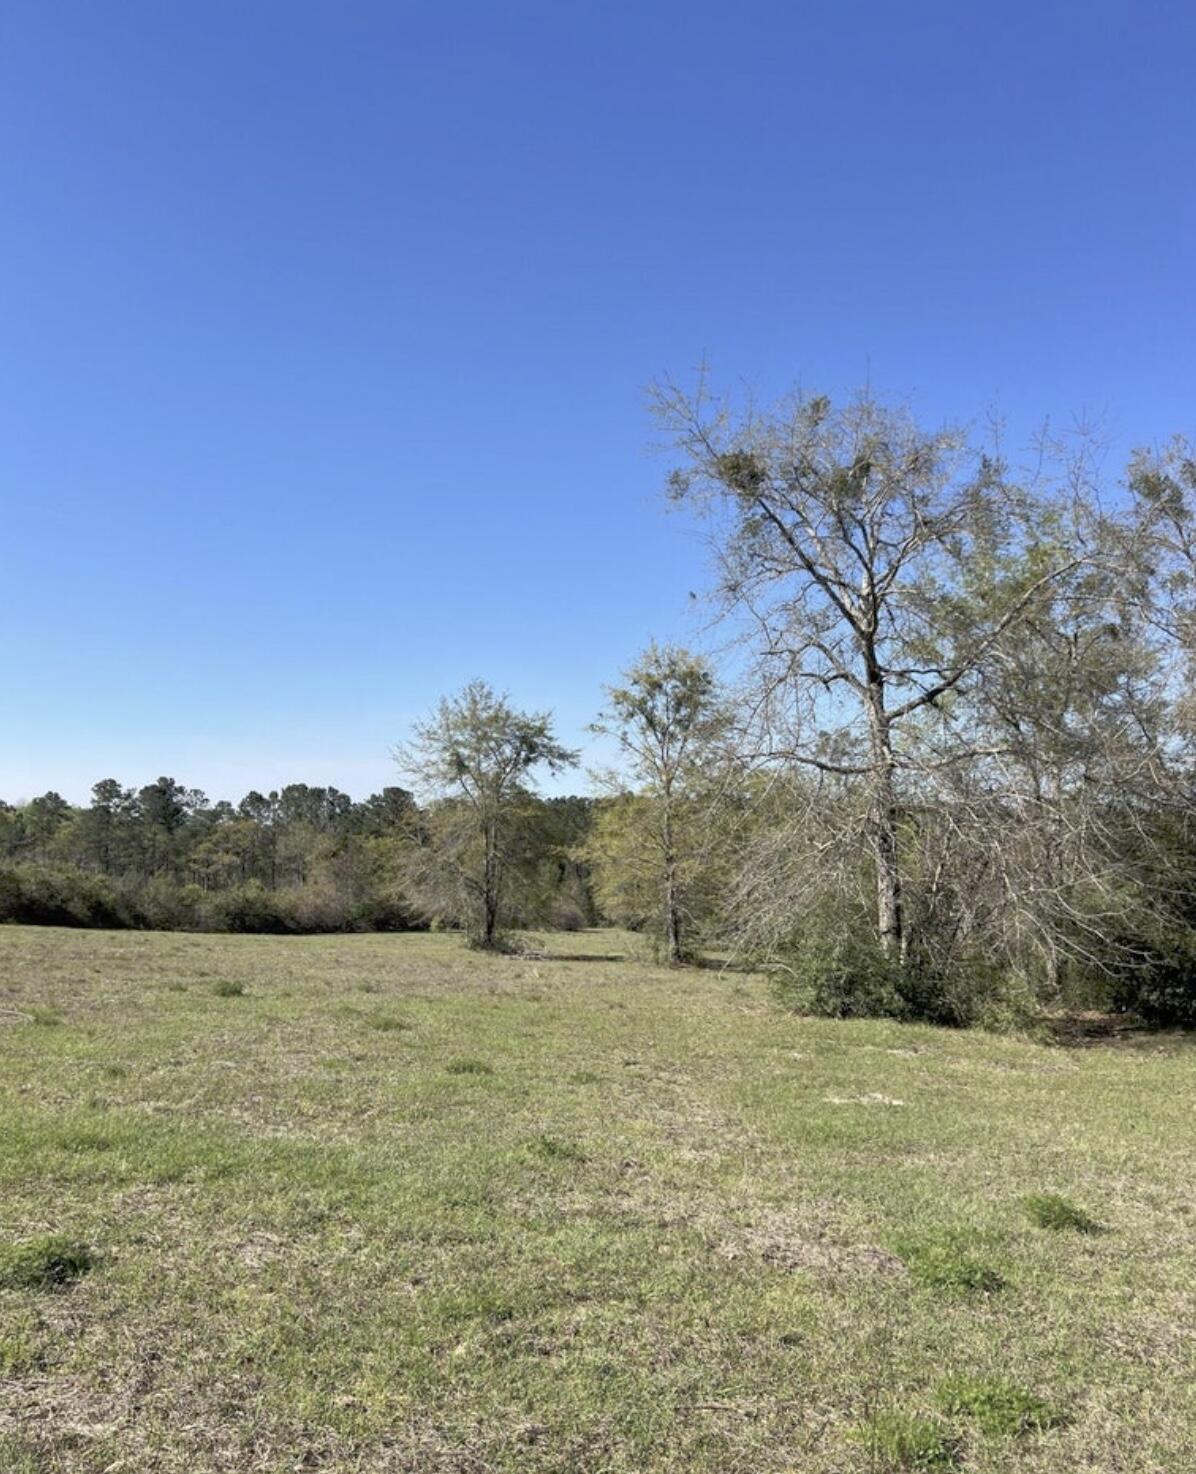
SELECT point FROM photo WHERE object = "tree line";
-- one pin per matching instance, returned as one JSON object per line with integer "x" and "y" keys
{"x": 305, "y": 858}
{"x": 947, "y": 774}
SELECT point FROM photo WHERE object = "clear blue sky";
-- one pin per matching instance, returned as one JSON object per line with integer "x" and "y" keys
{"x": 325, "y": 325}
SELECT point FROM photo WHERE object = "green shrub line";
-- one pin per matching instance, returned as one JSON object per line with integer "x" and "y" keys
{"x": 47, "y": 895}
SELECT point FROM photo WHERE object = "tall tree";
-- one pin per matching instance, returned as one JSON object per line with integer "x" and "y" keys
{"x": 843, "y": 535}
{"x": 478, "y": 755}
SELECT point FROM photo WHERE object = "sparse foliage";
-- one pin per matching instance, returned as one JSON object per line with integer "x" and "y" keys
{"x": 655, "y": 839}
{"x": 476, "y": 757}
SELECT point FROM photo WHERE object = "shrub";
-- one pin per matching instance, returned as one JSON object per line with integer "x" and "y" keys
{"x": 40, "y": 895}
{"x": 387, "y": 911}
{"x": 161, "y": 904}
{"x": 999, "y": 1407}
{"x": 904, "y": 1441}
{"x": 566, "y": 914}
{"x": 316, "y": 907}
{"x": 1050, "y": 1210}
{"x": 248, "y": 908}
{"x": 1161, "y": 987}
{"x": 836, "y": 970}
{"x": 43, "y": 1262}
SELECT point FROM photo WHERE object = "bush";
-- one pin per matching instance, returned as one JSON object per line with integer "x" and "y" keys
{"x": 161, "y": 904}
{"x": 315, "y": 907}
{"x": 1161, "y": 988}
{"x": 836, "y": 968}
{"x": 45, "y": 895}
{"x": 837, "y": 971}
{"x": 41, "y": 895}
{"x": 565, "y": 914}
{"x": 384, "y": 911}
{"x": 247, "y": 908}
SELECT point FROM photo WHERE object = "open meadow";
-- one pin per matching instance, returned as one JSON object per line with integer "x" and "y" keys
{"x": 380, "y": 1203}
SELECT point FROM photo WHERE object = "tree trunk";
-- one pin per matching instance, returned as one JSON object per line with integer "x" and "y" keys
{"x": 889, "y": 922}
{"x": 672, "y": 914}
{"x": 672, "y": 900}
{"x": 490, "y": 888}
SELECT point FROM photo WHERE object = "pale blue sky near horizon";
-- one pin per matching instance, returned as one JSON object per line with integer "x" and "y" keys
{"x": 326, "y": 326}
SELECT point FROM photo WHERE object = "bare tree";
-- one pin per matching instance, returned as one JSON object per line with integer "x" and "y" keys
{"x": 476, "y": 754}
{"x": 873, "y": 562}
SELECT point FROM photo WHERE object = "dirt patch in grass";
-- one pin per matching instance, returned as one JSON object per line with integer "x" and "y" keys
{"x": 772, "y": 1238}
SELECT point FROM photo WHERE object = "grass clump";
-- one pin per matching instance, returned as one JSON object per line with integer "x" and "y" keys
{"x": 42, "y": 1263}
{"x": 468, "y": 1067}
{"x": 17, "y": 1456}
{"x": 20, "y": 1349}
{"x": 228, "y": 988}
{"x": 944, "y": 1262}
{"x": 553, "y": 1149}
{"x": 387, "y": 1023}
{"x": 898, "y": 1440}
{"x": 1050, "y": 1210}
{"x": 998, "y": 1406}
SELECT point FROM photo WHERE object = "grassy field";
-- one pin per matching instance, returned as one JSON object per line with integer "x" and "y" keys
{"x": 383, "y": 1204}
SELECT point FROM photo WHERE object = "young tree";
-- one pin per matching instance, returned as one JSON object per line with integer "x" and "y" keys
{"x": 669, "y": 723}
{"x": 844, "y": 534}
{"x": 477, "y": 755}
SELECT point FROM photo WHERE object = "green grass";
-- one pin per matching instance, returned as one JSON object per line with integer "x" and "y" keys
{"x": 998, "y": 1406}
{"x": 42, "y": 1263}
{"x": 570, "y": 1214}
{"x": 228, "y": 988}
{"x": 946, "y": 1261}
{"x": 1049, "y": 1210}
{"x": 896, "y": 1440}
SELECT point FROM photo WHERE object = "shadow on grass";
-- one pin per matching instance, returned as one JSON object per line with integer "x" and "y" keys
{"x": 1093, "y": 1030}
{"x": 540, "y": 954}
